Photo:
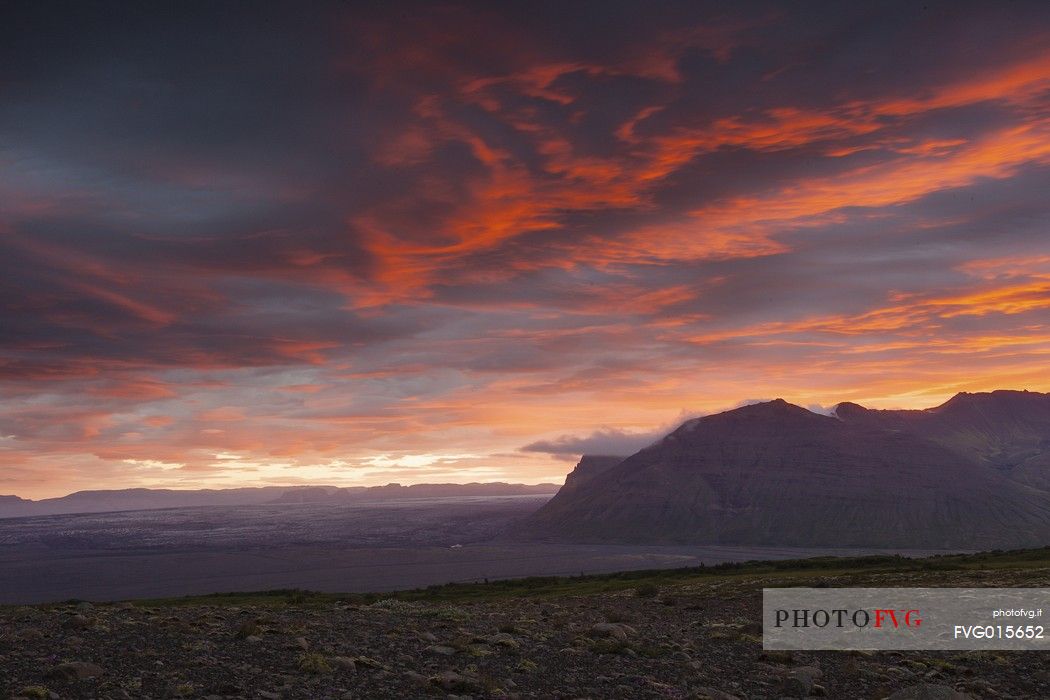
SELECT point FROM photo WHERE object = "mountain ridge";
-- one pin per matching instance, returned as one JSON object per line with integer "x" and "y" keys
{"x": 139, "y": 498}
{"x": 774, "y": 473}
{"x": 1005, "y": 430}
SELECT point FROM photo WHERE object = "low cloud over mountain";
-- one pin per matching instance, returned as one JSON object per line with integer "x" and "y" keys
{"x": 973, "y": 473}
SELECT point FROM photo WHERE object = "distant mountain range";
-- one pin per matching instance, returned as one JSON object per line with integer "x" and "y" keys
{"x": 973, "y": 473}
{"x": 150, "y": 499}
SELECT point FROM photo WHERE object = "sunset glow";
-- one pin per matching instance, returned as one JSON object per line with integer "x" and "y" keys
{"x": 461, "y": 242}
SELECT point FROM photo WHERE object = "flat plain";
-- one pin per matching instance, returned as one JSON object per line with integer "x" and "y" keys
{"x": 382, "y": 546}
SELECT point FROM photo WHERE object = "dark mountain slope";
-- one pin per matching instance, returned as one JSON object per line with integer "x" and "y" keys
{"x": 589, "y": 467}
{"x": 1008, "y": 431}
{"x": 777, "y": 474}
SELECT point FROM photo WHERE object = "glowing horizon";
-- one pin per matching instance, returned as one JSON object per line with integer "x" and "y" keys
{"x": 360, "y": 246}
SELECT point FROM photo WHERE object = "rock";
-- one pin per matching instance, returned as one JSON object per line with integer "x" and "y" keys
{"x": 428, "y": 637}
{"x": 301, "y": 643}
{"x": 712, "y": 694}
{"x": 246, "y": 629}
{"x": 370, "y": 662}
{"x": 929, "y": 691}
{"x": 343, "y": 663}
{"x": 613, "y": 630}
{"x": 441, "y": 649}
{"x": 78, "y": 622}
{"x": 76, "y": 670}
{"x": 777, "y": 656}
{"x": 415, "y": 677}
{"x": 226, "y": 688}
{"x": 455, "y": 682}
{"x": 503, "y": 639}
{"x": 800, "y": 681}
{"x": 752, "y": 628}
{"x": 84, "y": 606}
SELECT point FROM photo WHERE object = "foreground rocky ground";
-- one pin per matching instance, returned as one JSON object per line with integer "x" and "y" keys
{"x": 664, "y": 636}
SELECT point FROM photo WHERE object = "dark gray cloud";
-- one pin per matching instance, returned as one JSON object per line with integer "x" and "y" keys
{"x": 304, "y": 236}
{"x": 600, "y": 442}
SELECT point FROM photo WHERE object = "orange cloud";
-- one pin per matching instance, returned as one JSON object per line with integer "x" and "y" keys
{"x": 137, "y": 388}
{"x": 507, "y": 201}
{"x": 540, "y": 240}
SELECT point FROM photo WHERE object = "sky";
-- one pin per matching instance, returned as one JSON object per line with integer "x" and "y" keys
{"x": 265, "y": 243}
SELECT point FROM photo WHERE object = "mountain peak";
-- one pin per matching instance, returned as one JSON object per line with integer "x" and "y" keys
{"x": 774, "y": 473}
{"x": 964, "y": 396}
{"x": 775, "y": 403}
{"x": 778, "y": 404}
{"x": 995, "y": 400}
{"x": 776, "y": 407}
{"x": 847, "y": 409}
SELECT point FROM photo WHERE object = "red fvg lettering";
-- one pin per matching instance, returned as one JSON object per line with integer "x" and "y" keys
{"x": 909, "y": 618}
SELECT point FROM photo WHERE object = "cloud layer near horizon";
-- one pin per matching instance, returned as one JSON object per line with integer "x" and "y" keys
{"x": 359, "y": 245}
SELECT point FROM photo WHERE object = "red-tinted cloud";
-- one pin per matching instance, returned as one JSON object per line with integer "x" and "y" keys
{"x": 363, "y": 244}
